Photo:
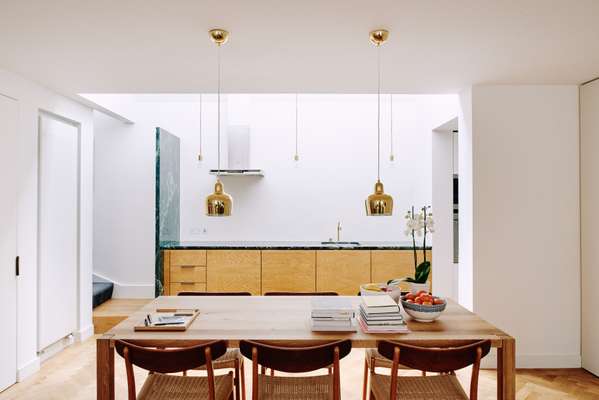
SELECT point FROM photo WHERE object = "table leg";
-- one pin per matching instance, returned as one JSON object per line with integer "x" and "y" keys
{"x": 500, "y": 373}
{"x": 506, "y": 370}
{"x": 104, "y": 369}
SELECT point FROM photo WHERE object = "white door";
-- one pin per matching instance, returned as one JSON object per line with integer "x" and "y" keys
{"x": 589, "y": 196}
{"x": 58, "y": 236}
{"x": 9, "y": 113}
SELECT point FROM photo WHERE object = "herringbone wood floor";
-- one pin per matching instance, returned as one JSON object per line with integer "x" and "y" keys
{"x": 71, "y": 375}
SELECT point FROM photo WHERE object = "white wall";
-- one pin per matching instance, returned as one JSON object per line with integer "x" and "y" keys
{"x": 526, "y": 261}
{"x": 124, "y": 193}
{"x": 32, "y": 98}
{"x": 445, "y": 272}
{"x": 465, "y": 200}
{"x": 589, "y": 164}
{"x": 294, "y": 201}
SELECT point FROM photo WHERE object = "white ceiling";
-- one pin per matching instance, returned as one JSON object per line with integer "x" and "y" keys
{"x": 436, "y": 46}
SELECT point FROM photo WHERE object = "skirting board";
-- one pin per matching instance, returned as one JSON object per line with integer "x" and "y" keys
{"x": 126, "y": 290}
{"x": 84, "y": 333}
{"x": 28, "y": 369}
{"x": 133, "y": 291}
{"x": 526, "y": 361}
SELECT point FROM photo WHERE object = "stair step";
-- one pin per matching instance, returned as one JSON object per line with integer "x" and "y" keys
{"x": 102, "y": 292}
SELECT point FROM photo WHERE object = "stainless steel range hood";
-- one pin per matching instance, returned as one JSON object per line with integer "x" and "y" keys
{"x": 238, "y": 172}
{"x": 238, "y": 153}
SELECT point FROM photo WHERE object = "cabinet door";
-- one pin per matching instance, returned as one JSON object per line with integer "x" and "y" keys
{"x": 233, "y": 271}
{"x": 9, "y": 115}
{"x": 390, "y": 264}
{"x": 342, "y": 271}
{"x": 288, "y": 271}
{"x": 589, "y": 146}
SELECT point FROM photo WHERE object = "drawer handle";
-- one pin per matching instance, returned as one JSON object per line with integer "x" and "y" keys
{"x": 188, "y": 283}
{"x": 188, "y": 266}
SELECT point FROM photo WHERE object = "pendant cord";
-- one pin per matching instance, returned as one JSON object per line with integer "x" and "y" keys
{"x": 218, "y": 112}
{"x": 378, "y": 55}
{"x": 391, "y": 118}
{"x": 296, "y": 127}
{"x": 200, "y": 126}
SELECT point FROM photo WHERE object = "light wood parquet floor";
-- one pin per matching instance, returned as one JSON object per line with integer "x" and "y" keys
{"x": 71, "y": 375}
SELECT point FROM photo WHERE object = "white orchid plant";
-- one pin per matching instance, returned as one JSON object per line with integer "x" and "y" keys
{"x": 418, "y": 224}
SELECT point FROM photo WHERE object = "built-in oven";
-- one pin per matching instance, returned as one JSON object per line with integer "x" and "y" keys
{"x": 456, "y": 230}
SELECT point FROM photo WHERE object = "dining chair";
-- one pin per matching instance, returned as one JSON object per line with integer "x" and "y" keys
{"x": 161, "y": 362}
{"x": 372, "y": 360}
{"x": 301, "y": 294}
{"x": 295, "y": 358}
{"x": 272, "y": 371}
{"x": 442, "y": 360}
{"x": 232, "y": 358}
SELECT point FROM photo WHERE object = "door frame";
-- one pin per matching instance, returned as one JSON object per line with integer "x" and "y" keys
{"x": 48, "y": 114}
{"x": 16, "y": 250}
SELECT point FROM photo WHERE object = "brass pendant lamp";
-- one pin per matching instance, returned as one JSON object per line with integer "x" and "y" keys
{"x": 379, "y": 203}
{"x": 219, "y": 203}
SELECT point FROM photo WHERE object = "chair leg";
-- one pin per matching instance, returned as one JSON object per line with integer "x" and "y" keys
{"x": 365, "y": 384}
{"x": 236, "y": 380}
{"x": 372, "y": 396}
{"x": 242, "y": 378}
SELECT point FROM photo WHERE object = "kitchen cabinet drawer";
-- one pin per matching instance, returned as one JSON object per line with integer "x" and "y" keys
{"x": 188, "y": 257}
{"x": 288, "y": 271}
{"x": 233, "y": 271}
{"x": 177, "y": 287}
{"x": 342, "y": 271}
{"x": 188, "y": 273}
{"x": 391, "y": 264}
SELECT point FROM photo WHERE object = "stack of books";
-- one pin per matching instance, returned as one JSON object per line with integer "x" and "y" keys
{"x": 380, "y": 314}
{"x": 331, "y": 313}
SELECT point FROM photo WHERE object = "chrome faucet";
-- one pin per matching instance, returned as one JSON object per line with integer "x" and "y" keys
{"x": 338, "y": 231}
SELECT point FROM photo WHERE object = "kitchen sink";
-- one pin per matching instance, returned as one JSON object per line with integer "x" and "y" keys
{"x": 340, "y": 244}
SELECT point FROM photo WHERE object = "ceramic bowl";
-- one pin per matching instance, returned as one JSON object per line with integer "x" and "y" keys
{"x": 393, "y": 291}
{"x": 423, "y": 313}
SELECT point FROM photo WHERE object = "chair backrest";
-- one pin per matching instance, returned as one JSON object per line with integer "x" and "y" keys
{"x": 169, "y": 360}
{"x": 295, "y": 358}
{"x": 301, "y": 294}
{"x": 436, "y": 359}
{"x": 214, "y": 294}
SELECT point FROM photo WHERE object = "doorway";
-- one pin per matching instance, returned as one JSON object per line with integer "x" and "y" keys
{"x": 58, "y": 232}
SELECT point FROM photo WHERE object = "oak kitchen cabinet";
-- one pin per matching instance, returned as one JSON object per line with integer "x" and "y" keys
{"x": 342, "y": 271}
{"x": 288, "y": 271}
{"x": 234, "y": 271}
{"x": 259, "y": 270}
{"x": 389, "y": 264}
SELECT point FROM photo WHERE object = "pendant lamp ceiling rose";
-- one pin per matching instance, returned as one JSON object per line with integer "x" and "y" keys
{"x": 219, "y": 36}
{"x": 379, "y": 36}
{"x": 219, "y": 203}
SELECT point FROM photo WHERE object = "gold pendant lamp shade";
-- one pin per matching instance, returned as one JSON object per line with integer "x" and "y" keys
{"x": 379, "y": 203}
{"x": 219, "y": 203}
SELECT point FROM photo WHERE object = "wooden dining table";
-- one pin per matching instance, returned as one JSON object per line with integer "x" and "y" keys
{"x": 287, "y": 319}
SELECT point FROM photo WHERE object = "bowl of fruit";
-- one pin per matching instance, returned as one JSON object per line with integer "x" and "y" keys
{"x": 423, "y": 306}
{"x": 374, "y": 289}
